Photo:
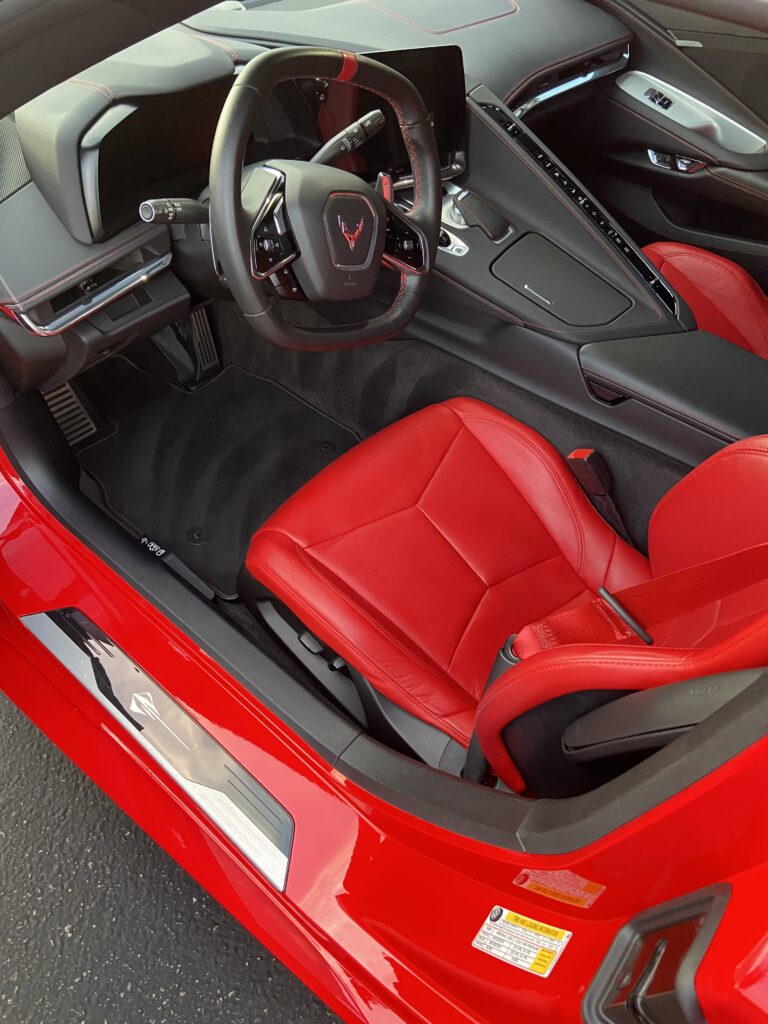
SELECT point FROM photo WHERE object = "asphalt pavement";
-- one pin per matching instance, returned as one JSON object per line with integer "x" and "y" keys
{"x": 99, "y": 926}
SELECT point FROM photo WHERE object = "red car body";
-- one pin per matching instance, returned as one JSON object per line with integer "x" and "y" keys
{"x": 380, "y": 908}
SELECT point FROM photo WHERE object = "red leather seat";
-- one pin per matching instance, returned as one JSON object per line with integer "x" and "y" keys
{"x": 722, "y": 296}
{"x": 416, "y": 554}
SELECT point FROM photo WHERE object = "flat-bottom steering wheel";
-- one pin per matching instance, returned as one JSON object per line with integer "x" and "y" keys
{"x": 333, "y": 228}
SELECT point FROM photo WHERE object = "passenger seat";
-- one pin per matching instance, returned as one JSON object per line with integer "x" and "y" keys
{"x": 723, "y": 297}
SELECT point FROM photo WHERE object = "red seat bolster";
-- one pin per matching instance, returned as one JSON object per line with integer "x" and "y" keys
{"x": 569, "y": 669}
{"x": 722, "y": 296}
{"x": 715, "y": 510}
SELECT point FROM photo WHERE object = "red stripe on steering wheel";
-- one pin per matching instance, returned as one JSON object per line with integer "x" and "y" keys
{"x": 348, "y": 67}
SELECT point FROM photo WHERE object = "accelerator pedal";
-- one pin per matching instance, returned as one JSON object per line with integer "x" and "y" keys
{"x": 190, "y": 348}
{"x": 204, "y": 347}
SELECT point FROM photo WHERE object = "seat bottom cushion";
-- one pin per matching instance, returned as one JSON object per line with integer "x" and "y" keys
{"x": 417, "y": 553}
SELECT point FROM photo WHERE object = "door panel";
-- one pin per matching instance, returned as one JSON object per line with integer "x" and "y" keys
{"x": 734, "y": 54}
{"x": 719, "y": 202}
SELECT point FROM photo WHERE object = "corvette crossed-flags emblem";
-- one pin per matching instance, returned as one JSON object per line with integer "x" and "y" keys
{"x": 350, "y": 235}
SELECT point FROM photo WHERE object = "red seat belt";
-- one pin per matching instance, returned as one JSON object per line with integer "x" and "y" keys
{"x": 651, "y": 603}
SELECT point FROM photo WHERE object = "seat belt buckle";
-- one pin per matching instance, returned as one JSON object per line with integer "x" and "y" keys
{"x": 591, "y": 470}
{"x": 505, "y": 660}
{"x": 594, "y": 477}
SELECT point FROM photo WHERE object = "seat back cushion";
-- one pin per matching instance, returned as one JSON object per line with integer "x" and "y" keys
{"x": 723, "y": 297}
{"x": 718, "y": 509}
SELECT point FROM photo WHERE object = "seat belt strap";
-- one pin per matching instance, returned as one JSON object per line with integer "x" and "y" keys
{"x": 647, "y": 604}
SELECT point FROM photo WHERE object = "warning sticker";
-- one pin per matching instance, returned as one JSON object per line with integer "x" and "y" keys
{"x": 564, "y": 886}
{"x": 521, "y": 941}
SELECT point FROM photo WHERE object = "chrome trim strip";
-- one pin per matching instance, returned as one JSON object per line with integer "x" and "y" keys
{"x": 97, "y": 300}
{"x": 538, "y": 295}
{"x": 257, "y": 824}
{"x": 572, "y": 83}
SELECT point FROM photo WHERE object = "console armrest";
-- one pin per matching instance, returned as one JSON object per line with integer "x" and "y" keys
{"x": 695, "y": 377}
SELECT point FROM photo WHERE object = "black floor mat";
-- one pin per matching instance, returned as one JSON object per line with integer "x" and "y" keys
{"x": 197, "y": 472}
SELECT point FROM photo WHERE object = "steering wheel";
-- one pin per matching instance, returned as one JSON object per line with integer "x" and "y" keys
{"x": 332, "y": 228}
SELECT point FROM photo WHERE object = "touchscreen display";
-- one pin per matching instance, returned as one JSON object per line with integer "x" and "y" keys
{"x": 438, "y": 74}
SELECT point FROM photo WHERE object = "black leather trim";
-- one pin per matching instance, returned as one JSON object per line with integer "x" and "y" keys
{"x": 505, "y": 52}
{"x": 41, "y": 259}
{"x": 695, "y": 377}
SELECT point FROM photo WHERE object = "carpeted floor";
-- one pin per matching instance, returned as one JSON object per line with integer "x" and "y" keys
{"x": 198, "y": 471}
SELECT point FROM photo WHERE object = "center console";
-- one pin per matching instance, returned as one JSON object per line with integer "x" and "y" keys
{"x": 577, "y": 195}
{"x": 565, "y": 304}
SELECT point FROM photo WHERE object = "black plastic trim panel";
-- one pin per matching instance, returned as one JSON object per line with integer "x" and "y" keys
{"x": 578, "y": 196}
{"x": 709, "y": 906}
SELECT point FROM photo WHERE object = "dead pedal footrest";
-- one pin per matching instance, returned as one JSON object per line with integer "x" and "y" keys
{"x": 75, "y": 422}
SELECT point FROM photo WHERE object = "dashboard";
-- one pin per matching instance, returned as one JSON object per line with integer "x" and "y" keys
{"x": 140, "y": 125}
{"x": 144, "y": 119}
{"x": 161, "y": 145}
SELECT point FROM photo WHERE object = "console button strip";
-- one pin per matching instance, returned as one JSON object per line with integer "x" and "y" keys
{"x": 574, "y": 191}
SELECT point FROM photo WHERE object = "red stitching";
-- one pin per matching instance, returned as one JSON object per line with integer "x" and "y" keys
{"x": 732, "y": 15}
{"x": 40, "y": 290}
{"x": 660, "y": 402}
{"x": 516, "y": 320}
{"x": 233, "y": 54}
{"x": 361, "y": 656}
{"x": 661, "y": 37}
{"x": 410, "y": 654}
{"x": 103, "y": 89}
{"x": 654, "y": 124}
{"x": 737, "y": 184}
{"x": 702, "y": 256}
{"x": 443, "y": 31}
{"x": 415, "y": 166}
{"x": 549, "y": 465}
{"x": 557, "y": 64}
{"x": 726, "y": 453}
{"x": 676, "y": 655}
